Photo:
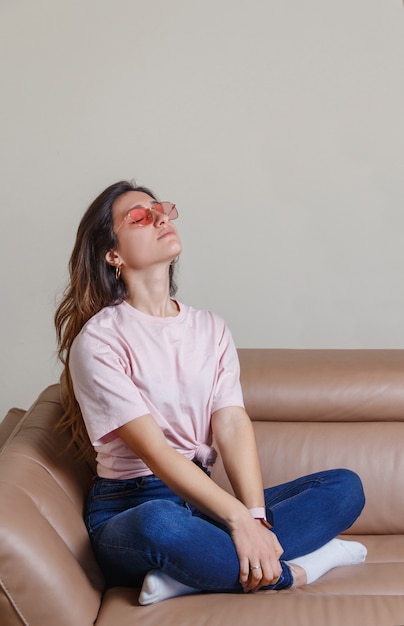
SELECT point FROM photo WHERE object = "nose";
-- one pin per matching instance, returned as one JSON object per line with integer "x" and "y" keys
{"x": 159, "y": 218}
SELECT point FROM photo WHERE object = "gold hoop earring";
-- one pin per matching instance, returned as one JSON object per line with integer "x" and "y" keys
{"x": 118, "y": 272}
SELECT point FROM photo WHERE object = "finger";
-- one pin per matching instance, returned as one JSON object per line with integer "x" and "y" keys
{"x": 269, "y": 578}
{"x": 278, "y": 548}
{"x": 264, "y": 574}
{"x": 258, "y": 579}
{"x": 254, "y": 579}
{"x": 271, "y": 569}
{"x": 244, "y": 571}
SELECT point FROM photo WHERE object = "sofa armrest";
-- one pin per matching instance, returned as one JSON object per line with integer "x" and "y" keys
{"x": 48, "y": 571}
{"x": 8, "y": 424}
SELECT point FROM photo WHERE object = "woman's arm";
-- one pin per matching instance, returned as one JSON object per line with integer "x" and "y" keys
{"x": 254, "y": 544}
{"x": 235, "y": 438}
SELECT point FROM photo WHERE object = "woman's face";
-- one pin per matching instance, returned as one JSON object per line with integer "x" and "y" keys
{"x": 140, "y": 247}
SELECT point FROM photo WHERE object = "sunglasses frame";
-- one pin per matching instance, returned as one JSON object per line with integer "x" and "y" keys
{"x": 168, "y": 208}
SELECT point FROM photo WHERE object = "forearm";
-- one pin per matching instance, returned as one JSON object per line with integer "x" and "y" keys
{"x": 237, "y": 444}
{"x": 188, "y": 481}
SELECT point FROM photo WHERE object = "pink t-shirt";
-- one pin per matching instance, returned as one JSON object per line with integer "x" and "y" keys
{"x": 125, "y": 364}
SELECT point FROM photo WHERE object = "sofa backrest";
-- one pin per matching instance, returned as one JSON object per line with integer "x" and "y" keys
{"x": 321, "y": 409}
{"x": 48, "y": 571}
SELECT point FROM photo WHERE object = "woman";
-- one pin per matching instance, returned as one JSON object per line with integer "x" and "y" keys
{"x": 154, "y": 381}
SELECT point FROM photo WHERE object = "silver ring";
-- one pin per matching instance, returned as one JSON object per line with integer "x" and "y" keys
{"x": 255, "y": 567}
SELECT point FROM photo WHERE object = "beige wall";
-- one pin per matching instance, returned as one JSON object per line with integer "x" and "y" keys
{"x": 277, "y": 128}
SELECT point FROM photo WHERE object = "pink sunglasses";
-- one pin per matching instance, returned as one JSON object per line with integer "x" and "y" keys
{"x": 140, "y": 216}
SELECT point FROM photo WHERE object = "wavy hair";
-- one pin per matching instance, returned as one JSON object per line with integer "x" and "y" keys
{"x": 93, "y": 285}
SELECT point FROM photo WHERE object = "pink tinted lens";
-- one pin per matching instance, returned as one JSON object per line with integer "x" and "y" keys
{"x": 168, "y": 208}
{"x": 140, "y": 216}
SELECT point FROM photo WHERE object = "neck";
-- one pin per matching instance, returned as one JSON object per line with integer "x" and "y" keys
{"x": 149, "y": 292}
{"x": 152, "y": 301}
{"x": 168, "y": 308}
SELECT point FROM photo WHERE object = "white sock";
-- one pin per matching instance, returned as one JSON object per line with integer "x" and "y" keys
{"x": 158, "y": 586}
{"x": 333, "y": 554}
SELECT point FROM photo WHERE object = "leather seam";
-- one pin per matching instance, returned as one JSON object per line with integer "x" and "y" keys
{"x": 13, "y": 603}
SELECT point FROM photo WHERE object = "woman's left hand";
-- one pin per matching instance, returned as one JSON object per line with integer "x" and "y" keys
{"x": 259, "y": 552}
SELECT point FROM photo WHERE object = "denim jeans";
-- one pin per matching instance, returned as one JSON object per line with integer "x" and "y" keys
{"x": 139, "y": 524}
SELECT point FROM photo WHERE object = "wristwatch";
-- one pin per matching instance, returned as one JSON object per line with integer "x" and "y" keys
{"x": 260, "y": 514}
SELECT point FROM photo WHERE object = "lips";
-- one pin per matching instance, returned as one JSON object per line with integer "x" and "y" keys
{"x": 167, "y": 232}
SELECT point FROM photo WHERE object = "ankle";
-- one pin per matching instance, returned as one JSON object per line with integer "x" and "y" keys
{"x": 299, "y": 575}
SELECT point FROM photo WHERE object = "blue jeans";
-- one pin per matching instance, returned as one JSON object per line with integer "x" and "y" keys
{"x": 139, "y": 524}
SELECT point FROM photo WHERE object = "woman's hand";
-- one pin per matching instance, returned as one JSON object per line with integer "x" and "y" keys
{"x": 259, "y": 552}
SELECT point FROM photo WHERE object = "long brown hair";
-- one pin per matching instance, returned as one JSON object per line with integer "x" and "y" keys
{"x": 93, "y": 285}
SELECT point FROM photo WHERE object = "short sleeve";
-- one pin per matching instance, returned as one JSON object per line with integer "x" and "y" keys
{"x": 228, "y": 390}
{"x": 107, "y": 396}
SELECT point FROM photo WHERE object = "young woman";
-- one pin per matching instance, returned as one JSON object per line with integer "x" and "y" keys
{"x": 152, "y": 381}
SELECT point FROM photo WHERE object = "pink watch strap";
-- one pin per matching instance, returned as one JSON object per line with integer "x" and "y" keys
{"x": 258, "y": 512}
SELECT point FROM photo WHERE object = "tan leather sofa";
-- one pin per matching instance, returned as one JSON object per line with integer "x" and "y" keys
{"x": 311, "y": 409}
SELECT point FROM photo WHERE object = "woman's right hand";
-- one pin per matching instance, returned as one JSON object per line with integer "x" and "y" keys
{"x": 259, "y": 551}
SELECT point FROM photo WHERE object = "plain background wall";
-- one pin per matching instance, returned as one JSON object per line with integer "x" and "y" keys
{"x": 277, "y": 128}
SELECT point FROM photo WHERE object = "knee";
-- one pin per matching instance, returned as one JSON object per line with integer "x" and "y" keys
{"x": 351, "y": 493}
